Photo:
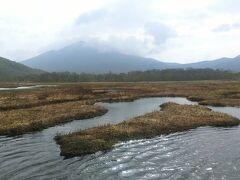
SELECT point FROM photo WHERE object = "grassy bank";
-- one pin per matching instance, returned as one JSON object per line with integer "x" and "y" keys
{"x": 21, "y": 121}
{"x": 171, "y": 118}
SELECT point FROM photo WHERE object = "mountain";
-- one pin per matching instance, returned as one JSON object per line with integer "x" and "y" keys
{"x": 80, "y": 58}
{"x": 231, "y": 64}
{"x": 10, "y": 70}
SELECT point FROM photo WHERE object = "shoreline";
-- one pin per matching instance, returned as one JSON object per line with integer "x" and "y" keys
{"x": 171, "y": 118}
{"x": 19, "y": 122}
{"x": 12, "y": 103}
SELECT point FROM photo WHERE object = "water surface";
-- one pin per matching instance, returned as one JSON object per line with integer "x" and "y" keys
{"x": 203, "y": 153}
{"x": 25, "y": 87}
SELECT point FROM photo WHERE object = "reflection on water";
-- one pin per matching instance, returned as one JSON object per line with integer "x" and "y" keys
{"x": 204, "y": 153}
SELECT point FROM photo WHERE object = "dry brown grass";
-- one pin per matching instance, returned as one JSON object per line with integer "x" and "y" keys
{"x": 171, "y": 118}
{"x": 27, "y": 120}
{"x": 217, "y": 93}
{"x": 20, "y": 99}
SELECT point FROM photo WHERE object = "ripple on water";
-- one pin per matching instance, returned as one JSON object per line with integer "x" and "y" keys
{"x": 202, "y": 153}
{"x": 183, "y": 158}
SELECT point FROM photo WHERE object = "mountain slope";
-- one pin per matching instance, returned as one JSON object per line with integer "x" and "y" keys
{"x": 10, "y": 70}
{"x": 231, "y": 64}
{"x": 79, "y": 58}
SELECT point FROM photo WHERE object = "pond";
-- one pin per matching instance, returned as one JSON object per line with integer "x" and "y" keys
{"x": 204, "y": 153}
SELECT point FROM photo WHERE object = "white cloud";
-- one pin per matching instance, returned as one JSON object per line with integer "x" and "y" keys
{"x": 173, "y": 30}
{"x": 160, "y": 32}
{"x": 227, "y": 27}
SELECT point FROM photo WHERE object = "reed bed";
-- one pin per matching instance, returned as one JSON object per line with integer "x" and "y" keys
{"x": 171, "y": 118}
{"x": 22, "y": 121}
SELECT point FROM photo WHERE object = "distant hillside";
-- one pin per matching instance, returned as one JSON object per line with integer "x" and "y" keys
{"x": 231, "y": 64}
{"x": 10, "y": 70}
{"x": 79, "y": 58}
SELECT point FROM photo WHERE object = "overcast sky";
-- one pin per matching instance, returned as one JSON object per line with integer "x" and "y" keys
{"x": 169, "y": 30}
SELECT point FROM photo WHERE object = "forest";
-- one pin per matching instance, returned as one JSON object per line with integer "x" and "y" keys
{"x": 134, "y": 76}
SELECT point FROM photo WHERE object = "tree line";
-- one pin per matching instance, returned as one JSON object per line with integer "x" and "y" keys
{"x": 133, "y": 76}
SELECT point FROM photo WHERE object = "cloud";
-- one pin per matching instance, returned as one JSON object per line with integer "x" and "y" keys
{"x": 124, "y": 27}
{"x": 173, "y": 30}
{"x": 227, "y": 27}
{"x": 223, "y": 28}
{"x": 91, "y": 16}
{"x": 227, "y": 7}
{"x": 160, "y": 32}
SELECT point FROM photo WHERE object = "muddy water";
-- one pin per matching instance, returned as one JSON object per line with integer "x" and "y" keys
{"x": 203, "y": 153}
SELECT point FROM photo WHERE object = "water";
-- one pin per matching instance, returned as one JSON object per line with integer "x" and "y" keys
{"x": 25, "y": 87}
{"x": 202, "y": 153}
